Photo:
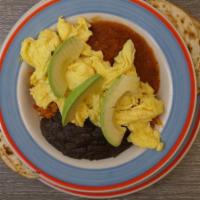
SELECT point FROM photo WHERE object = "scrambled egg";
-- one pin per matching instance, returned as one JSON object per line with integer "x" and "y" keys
{"x": 42, "y": 93}
{"x": 143, "y": 135}
{"x": 133, "y": 111}
{"x": 78, "y": 73}
{"x": 80, "y": 29}
{"x": 38, "y": 52}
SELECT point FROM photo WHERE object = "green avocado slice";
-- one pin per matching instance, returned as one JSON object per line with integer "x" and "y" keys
{"x": 77, "y": 95}
{"x": 125, "y": 83}
{"x": 65, "y": 54}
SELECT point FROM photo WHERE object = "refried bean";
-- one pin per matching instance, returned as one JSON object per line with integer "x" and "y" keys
{"x": 85, "y": 142}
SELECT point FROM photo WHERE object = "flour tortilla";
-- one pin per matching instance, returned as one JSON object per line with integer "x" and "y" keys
{"x": 12, "y": 161}
{"x": 187, "y": 26}
{"x": 189, "y": 29}
{"x": 197, "y": 24}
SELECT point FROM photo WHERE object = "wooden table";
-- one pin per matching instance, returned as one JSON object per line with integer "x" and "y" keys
{"x": 183, "y": 183}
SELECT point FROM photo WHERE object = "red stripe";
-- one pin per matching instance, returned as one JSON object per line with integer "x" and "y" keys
{"x": 158, "y": 165}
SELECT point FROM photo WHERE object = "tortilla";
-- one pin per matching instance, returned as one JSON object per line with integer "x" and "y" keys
{"x": 188, "y": 28}
{"x": 12, "y": 161}
{"x": 197, "y": 24}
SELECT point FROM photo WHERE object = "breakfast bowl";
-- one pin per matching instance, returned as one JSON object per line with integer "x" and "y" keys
{"x": 21, "y": 124}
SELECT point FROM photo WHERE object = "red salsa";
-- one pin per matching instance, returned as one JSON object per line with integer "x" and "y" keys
{"x": 109, "y": 37}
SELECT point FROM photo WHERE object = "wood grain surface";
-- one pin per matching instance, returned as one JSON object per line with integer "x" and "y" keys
{"x": 181, "y": 184}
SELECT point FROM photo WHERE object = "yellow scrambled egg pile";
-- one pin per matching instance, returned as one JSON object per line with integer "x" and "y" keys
{"x": 133, "y": 111}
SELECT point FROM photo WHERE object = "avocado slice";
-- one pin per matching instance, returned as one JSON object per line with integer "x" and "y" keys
{"x": 65, "y": 54}
{"x": 125, "y": 83}
{"x": 77, "y": 95}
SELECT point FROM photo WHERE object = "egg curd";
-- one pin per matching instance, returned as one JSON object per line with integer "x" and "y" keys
{"x": 132, "y": 111}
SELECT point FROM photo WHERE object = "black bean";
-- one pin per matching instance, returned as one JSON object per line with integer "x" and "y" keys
{"x": 85, "y": 142}
{"x": 97, "y": 133}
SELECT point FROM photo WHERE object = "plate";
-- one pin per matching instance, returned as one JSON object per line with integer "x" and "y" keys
{"x": 130, "y": 172}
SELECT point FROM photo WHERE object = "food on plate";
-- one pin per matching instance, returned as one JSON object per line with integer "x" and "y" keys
{"x": 77, "y": 95}
{"x": 77, "y": 142}
{"x": 101, "y": 78}
{"x": 112, "y": 131}
{"x": 65, "y": 54}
